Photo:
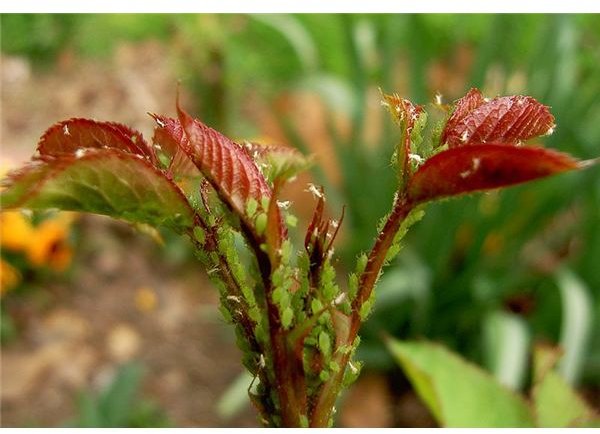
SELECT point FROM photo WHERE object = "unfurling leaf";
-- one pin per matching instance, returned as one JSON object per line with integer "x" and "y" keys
{"x": 76, "y": 136}
{"x": 507, "y": 119}
{"x": 277, "y": 161}
{"x": 101, "y": 181}
{"x": 276, "y": 232}
{"x": 480, "y": 167}
{"x": 405, "y": 114}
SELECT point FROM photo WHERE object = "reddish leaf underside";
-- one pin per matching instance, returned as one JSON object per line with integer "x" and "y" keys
{"x": 508, "y": 119}
{"x": 482, "y": 167}
{"x": 78, "y": 135}
{"x": 224, "y": 163}
{"x": 101, "y": 181}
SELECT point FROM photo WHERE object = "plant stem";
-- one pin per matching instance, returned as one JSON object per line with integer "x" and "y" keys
{"x": 326, "y": 399}
{"x": 241, "y": 318}
{"x": 284, "y": 366}
{"x": 402, "y": 207}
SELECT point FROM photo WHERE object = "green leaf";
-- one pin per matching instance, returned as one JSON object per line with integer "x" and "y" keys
{"x": 557, "y": 405}
{"x": 277, "y": 162}
{"x": 458, "y": 393}
{"x": 107, "y": 181}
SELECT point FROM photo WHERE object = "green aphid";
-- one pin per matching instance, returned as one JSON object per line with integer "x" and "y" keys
{"x": 251, "y": 207}
{"x": 260, "y": 223}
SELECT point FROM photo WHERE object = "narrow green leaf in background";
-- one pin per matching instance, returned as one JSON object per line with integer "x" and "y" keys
{"x": 235, "y": 397}
{"x": 576, "y": 325}
{"x": 507, "y": 341}
{"x": 118, "y": 400}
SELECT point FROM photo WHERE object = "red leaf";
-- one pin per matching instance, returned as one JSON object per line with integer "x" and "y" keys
{"x": 227, "y": 166}
{"x": 77, "y": 135}
{"x": 483, "y": 167}
{"x": 464, "y": 106}
{"x": 508, "y": 119}
{"x": 168, "y": 133}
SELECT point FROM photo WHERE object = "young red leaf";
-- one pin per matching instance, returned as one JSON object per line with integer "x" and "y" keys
{"x": 228, "y": 167}
{"x": 102, "y": 181}
{"x": 321, "y": 233}
{"x": 314, "y": 240}
{"x": 75, "y": 136}
{"x": 508, "y": 119}
{"x": 463, "y": 107}
{"x": 482, "y": 167}
{"x": 405, "y": 114}
{"x": 275, "y": 232}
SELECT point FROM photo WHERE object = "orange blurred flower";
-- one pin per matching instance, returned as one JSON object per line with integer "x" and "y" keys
{"x": 44, "y": 245}
{"x": 16, "y": 231}
{"x": 50, "y": 245}
{"x": 9, "y": 277}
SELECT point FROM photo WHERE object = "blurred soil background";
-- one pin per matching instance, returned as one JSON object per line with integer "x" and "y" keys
{"x": 121, "y": 300}
{"x": 124, "y": 300}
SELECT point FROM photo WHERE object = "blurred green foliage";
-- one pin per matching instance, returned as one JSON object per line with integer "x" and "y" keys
{"x": 475, "y": 266}
{"x": 118, "y": 405}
